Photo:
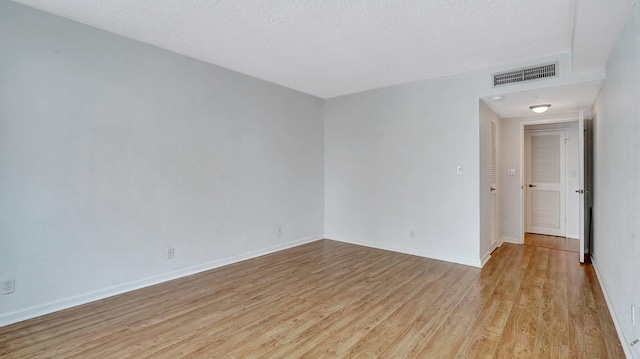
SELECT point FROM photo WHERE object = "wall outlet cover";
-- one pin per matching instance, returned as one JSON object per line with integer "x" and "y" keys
{"x": 7, "y": 286}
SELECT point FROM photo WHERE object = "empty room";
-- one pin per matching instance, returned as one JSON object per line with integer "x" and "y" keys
{"x": 319, "y": 179}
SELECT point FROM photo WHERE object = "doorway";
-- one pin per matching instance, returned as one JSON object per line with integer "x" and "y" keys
{"x": 551, "y": 172}
{"x": 545, "y": 181}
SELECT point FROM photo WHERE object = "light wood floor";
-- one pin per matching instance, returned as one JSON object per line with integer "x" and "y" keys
{"x": 553, "y": 242}
{"x": 333, "y": 300}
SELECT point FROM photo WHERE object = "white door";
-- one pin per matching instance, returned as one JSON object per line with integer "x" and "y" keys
{"x": 545, "y": 185}
{"x": 494, "y": 184}
{"x": 584, "y": 159}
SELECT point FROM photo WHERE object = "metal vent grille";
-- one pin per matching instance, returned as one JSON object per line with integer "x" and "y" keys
{"x": 526, "y": 74}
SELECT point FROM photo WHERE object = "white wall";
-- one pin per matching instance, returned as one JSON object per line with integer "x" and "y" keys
{"x": 616, "y": 251}
{"x": 390, "y": 167}
{"x": 512, "y": 223}
{"x": 112, "y": 150}
{"x": 510, "y": 158}
{"x": 391, "y": 156}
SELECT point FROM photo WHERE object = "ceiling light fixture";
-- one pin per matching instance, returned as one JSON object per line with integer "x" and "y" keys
{"x": 539, "y": 108}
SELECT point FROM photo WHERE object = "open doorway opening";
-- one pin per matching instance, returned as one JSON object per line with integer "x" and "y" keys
{"x": 550, "y": 171}
{"x": 511, "y": 112}
{"x": 555, "y": 197}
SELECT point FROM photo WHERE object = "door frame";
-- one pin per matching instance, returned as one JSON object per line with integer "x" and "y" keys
{"x": 563, "y": 180}
{"x": 521, "y": 134}
{"x": 585, "y": 135}
{"x": 495, "y": 220}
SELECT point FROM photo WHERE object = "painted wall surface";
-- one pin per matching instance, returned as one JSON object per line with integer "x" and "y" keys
{"x": 112, "y": 150}
{"x": 510, "y": 157}
{"x": 391, "y": 156}
{"x": 390, "y": 167}
{"x": 512, "y": 222}
{"x": 616, "y": 249}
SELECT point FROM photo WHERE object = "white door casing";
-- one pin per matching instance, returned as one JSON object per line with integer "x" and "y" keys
{"x": 545, "y": 182}
{"x": 583, "y": 190}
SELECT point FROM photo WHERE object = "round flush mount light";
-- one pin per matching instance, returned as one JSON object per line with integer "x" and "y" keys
{"x": 539, "y": 108}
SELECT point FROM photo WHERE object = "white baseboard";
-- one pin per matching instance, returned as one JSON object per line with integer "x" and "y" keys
{"x": 485, "y": 259}
{"x": 393, "y": 248}
{"x": 511, "y": 240}
{"x": 36, "y": 311}
{"x": 487, "y": 256}
{"x": 573, "y": 236}
{"x": 614, "y": 317}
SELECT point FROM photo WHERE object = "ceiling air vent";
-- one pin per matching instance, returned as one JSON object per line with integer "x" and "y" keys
{"x": 525, "y": 74}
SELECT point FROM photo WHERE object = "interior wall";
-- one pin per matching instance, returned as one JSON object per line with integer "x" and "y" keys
{"x": 617, "y": 182}
{"x": 112, "y": 150}
{"x": 391, "y": 156}
{"x": 390, "y": 167}
{"x": 512, "y": 204}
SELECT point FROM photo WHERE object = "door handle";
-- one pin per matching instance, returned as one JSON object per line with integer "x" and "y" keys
{"x": 532, "y": 185}
{"x": 581, "y": 191}
{"x": 492, "y": 189}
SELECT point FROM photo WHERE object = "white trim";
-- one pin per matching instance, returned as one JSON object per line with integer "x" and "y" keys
{"x": 485, "y": 259}
{"x": 497, "y": 244}
{"x": 36, "y": 311}
{"x": 614, "y": 317}
{"x": 573, "y": 236}
{"x": 512, "y": 240}
{"x": 494, "y": 246}
{"x": 528, "y": 227}
{"x": 581, "y": 182}
{"x": 393, "y": 248}
{"x": 521, "y": 136}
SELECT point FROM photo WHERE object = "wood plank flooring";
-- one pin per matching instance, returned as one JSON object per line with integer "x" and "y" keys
{"x": 553, "y": 242}
{"x": 333, "y": 300}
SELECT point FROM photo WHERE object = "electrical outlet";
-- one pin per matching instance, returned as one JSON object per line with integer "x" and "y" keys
{"x": 8, "y": 286}
{"x": 171, "y": 253}
{"x": 279, "y": 231}
{"x": 412, "y": 234}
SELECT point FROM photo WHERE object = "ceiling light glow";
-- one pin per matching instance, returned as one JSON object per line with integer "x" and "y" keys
{"x": 539, "y": 108}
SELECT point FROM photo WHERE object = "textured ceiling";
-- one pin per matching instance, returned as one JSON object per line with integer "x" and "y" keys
{"x": 329, "y": 48}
